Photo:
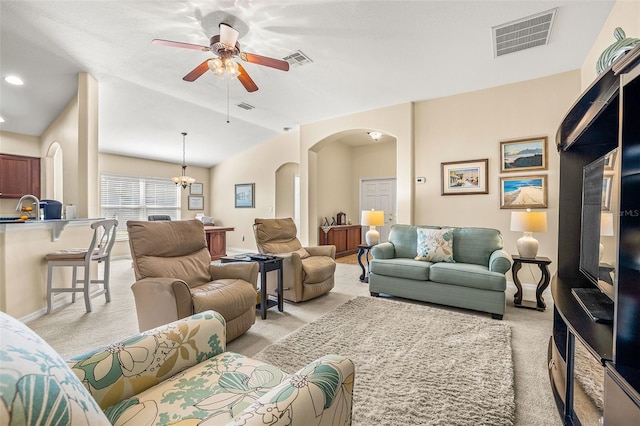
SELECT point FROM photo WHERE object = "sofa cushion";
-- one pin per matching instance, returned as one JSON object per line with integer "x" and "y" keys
{"x": 435, "y": 245}
{"x": 467, "y": 275}
{"x": 404, "y": 239}
{"x": 401, "y": 268}
{"x": 475, "y": 245}
{"x": 37, "y": 384}
{"x": 230, "y": 297}
{"x": 318, "y": 269}
{"x": 217, "y": 390}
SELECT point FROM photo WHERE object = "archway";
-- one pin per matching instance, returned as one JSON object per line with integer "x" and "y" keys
{"x": 54, "y": 167}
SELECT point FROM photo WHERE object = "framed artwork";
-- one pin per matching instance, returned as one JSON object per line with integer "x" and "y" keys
{"x": 523, "y": 192}
{"x": 523, "y": 155}
{"x": 196, "y": 202}
{"x": 196, "y": 189}
{"x": 244, "y": 195}
{"x": 465, "y": 177}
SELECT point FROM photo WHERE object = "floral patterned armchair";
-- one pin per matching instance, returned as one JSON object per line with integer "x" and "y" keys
{"x": 177, "y": 374}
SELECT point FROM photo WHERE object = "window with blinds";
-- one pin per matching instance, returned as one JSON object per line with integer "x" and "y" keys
{"x": 135, "y": 198}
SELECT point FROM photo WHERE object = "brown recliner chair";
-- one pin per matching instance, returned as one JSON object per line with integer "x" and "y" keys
{"x": 307, "y": 271}
{"x": 175, "y": 277}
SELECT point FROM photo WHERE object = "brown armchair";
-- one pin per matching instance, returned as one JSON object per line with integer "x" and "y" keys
{"x": 307, "y": 271}
{"x": 175, "y": 277}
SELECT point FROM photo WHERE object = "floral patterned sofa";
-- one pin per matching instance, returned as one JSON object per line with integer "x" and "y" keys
{"x": 178, "y": 374}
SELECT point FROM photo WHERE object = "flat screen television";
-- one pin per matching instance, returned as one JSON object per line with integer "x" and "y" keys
{"x": 598, "y": 245}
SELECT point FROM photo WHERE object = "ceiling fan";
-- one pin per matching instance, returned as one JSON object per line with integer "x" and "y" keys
{"x": 226, "y": 47}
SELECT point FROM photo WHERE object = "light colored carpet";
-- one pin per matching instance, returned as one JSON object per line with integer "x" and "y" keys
{"x": 415, "y": 365}
{"x": 70, "y": 330}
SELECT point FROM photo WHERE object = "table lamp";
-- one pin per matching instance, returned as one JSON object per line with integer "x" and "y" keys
{"x": 606, "y": 230}
{"x": 528, "y": 222}
{"x": 372, "y": 218}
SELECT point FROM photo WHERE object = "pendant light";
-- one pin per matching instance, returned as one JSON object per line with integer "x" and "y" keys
{"x": 183, "y": 180}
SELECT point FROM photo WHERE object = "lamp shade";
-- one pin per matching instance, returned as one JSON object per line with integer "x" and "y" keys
{"x": 529, "y": 221}
{"x": 606, "y": 224}
{"x": 372, "y": 218}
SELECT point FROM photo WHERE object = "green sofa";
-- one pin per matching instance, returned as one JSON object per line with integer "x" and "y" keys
{"x": 474, "y": 280}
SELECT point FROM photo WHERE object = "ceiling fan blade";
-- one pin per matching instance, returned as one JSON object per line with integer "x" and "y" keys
{"x": 278, "y": 64}
{"x": 246, "y": 81}
{"x": 228, "y": 35}
{"x": 197, "y": 71}
{"x": 170, "y": 43}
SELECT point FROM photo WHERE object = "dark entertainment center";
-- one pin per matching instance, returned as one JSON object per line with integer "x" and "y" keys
{"x": 597, "y": 300}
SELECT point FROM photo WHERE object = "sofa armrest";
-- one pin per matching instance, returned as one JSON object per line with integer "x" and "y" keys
{"x": 499, "y": 261}
{"x": 322, "y": 251}
{"x": 160, "y": 300}
{"x": 320, "y": 393}
{"x": 247, "y": 271}
{"x": 384, "y": 250}
{"x": 121, "y": 370}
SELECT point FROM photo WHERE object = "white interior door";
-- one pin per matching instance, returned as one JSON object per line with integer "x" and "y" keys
{"x": 379, "y": 194}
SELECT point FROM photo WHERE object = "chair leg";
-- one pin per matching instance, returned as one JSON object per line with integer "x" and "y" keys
{"x": 87, "y": 288}
{"x": 49, "y": 286}
{"x": 74, "y": 283}
{"x": 105, "y": 275}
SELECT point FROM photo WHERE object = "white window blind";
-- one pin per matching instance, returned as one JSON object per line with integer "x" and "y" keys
{"x": 135, "y": 198}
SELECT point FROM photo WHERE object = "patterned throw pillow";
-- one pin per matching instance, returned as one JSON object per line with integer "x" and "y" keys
{"x": 435, "y": 245}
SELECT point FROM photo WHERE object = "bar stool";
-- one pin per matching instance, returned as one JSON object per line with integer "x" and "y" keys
{"x": 99, "y": 251}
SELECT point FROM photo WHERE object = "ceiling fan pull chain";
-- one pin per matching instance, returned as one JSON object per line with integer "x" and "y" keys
{"x": 228, "y": 101}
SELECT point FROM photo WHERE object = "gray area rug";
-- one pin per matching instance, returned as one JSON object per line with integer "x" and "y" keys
{"x": 415, "y": 365}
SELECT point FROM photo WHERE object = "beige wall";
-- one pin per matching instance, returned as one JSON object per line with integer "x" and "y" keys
{"x": 471, "y": 126}
{"x": 334, "y": 182}
{"x": 626, "y": 15}
{"x": 285, "y": 189}
{"x": 257, "y": 165}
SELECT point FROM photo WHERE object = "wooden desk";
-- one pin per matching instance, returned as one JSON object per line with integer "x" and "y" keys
{"x": 217, "y": 240}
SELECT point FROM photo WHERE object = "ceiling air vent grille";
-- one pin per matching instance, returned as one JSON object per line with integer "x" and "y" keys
{"x": 297, "y": 58}
{"x": 245, "y": 106}
{"x": 523, "y": 34}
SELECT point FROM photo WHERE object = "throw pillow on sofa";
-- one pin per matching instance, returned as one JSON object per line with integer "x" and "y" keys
{"x": 435, "y": 245}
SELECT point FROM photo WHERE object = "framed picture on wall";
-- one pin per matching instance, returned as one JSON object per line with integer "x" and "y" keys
{"x": 523, "y": 155}
{"x": 523, "y": 192}
{"x": 244, "y": 195}
{"x": 196, "y": 189}
{"x": 465, "y": 177}
{"x": 196, "y": 202}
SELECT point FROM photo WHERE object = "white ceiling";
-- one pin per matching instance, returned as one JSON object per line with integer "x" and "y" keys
{"x": 366, "y": 55}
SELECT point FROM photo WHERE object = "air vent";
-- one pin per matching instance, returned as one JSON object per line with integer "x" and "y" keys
{"x": 523, "y": 34}
{"x": 245, "y": 106}
{"x": 297, "y": 58}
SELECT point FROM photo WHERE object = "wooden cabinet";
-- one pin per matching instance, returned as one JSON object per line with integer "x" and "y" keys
{"x": 346, "y": 238}
{"x": 19, "y": 175}
{"x": 217, "y": 240}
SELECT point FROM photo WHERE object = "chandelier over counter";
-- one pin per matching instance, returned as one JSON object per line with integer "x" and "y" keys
{"x": 183, "y": 180}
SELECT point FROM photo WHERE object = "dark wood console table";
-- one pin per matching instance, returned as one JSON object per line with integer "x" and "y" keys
{"x": 217, "y": 240}
{"x": 345, "y": 237}
{"x": 543, "y": 263}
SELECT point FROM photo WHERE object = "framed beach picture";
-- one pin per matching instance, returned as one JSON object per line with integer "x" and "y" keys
{"x": 244, "y": 195}
{"x": 196, "y": 202}
{"x": 195, "y": 189}
{"x": 523, "y": 155}
{"x": 465, "y": 177}
{"x": 523, "y": 192}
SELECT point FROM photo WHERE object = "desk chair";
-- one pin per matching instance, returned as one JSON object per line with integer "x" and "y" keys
{"x": 99, "y": 250}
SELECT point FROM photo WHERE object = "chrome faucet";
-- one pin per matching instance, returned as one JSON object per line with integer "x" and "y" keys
{"x": 35, "y": 201}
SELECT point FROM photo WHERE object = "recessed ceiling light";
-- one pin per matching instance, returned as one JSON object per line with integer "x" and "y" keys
{"x": 14, "y": 79}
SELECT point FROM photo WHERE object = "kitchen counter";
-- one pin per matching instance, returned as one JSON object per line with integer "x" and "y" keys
{"x": 23, "y": 269}
{"x": 56, "y": 225}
